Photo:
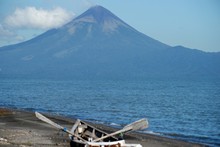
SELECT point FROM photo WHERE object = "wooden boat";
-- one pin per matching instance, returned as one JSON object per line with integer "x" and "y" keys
{"x": 83, "y": 134}
{"x": 90, "y": 134}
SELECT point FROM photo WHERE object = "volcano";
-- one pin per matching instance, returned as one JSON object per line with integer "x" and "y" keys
{"x": 98, "y": 44}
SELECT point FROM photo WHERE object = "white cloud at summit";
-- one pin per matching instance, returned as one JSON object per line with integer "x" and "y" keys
{"x": 38, "y": 18}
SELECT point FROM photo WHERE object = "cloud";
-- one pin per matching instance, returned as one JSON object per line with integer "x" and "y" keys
{"x": 5, "y": 32}
{"x": 7, "y": 36}
{"x": 33, "y": 18}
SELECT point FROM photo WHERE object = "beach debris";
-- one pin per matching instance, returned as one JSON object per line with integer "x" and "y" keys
{"x": 4, "y": 111}
{"x": 86, "y": 135}
{"x": 3, "y": 139}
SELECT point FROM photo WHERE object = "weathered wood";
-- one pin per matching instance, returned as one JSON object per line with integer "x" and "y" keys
{"x": 88, "y": 135}
{"x": 75, "y": 126}
{"x": 137, "y": 125}
{"x": 47, "y": 120}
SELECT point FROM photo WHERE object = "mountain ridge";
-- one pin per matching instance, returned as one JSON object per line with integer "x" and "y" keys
{"x": 99, "y": 44}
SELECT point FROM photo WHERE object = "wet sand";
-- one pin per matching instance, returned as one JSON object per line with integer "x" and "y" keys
{"x": 22, "y": 129}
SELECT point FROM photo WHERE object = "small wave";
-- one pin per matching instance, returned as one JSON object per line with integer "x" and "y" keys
{"x": 95, "y": 121}
{"x": 114, "y": 124}
{"x": 150, "y": 132}
{"x": 103, "y": 122}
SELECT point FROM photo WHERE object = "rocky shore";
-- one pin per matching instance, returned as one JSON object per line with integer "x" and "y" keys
{"x": 22, "y": 129}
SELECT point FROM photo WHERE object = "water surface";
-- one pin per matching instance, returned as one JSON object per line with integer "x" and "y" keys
{"x": 182, "y": 109}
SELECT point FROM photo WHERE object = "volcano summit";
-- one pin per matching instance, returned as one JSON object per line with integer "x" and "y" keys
{"x": 98, "y": 44}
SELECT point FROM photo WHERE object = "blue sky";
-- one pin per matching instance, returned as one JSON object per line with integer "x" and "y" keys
{"x": 190, "y": 23}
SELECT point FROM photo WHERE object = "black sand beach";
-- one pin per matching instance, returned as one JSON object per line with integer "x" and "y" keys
{"x": 22, "y": 129}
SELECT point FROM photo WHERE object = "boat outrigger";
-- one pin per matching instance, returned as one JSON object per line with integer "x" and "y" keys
{"x": 83, "y": 134}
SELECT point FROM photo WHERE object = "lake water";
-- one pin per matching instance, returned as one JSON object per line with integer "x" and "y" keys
{"x": 182, "y": 109}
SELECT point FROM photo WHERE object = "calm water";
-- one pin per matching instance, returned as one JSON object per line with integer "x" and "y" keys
{"x": 183, "y": 109}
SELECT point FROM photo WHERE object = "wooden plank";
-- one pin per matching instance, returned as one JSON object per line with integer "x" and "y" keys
{"x": 137, "y": 125}
{"x": 47, "y": 120}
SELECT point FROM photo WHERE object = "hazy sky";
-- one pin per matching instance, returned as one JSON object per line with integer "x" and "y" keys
{"x": 190, "y": 23}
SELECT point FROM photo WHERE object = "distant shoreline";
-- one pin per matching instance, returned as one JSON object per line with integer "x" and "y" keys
{"x": 21, "y": 127}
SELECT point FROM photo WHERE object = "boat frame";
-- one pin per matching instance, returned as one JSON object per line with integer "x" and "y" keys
{"x": 90, "y": 133}
{"x": 83, "y": 134}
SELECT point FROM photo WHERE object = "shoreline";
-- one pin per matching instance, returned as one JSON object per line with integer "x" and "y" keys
{"x": 21, "y": 128}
